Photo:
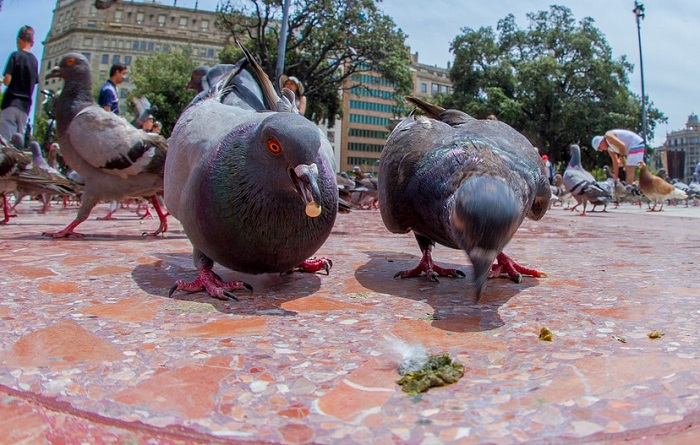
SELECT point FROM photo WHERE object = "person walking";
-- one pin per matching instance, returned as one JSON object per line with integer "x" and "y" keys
{"x": 20, "y": 77}
{"x": 109, "y": 93}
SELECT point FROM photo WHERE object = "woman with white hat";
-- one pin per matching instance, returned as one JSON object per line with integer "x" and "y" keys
{"x": 626, "y": 149}
{"x": 294, "y": 84}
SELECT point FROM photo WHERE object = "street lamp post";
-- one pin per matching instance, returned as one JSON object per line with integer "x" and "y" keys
{"x": 282, "y": 44}
{"x": 639, "y": 14}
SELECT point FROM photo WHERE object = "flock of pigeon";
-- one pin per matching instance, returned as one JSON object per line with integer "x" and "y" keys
{"x": 579, "y": 185}
{"x": 253, "y": 182}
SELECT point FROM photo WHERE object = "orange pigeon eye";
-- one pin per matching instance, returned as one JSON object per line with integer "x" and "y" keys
{"x": 70, "y": 61}
{"x": 274, "y": 147}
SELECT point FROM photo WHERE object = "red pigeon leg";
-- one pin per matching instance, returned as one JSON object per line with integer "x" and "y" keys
{"x": 162, "y": 216}
{"x": 6, "y": 210}
{"x": 427, "y": 266}
{"x": 313, "y": 265}
{"x": 514, "y": 270}
{"x": 212, "y": 283}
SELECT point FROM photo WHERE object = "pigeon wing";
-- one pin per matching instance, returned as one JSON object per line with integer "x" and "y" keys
{"x": 112, "y": 145}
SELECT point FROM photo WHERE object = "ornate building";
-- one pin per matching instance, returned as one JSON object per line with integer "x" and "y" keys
{"x": 681, "y": 150}
{"x": 125, "y": 32}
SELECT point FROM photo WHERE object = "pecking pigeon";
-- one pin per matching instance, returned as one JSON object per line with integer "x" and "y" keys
{"x": 463, "y": 183}
{"x": 114, "y": 159}
{"x": 582, "y": 184}
{"x": 255, "y": 191}
{"x": 656, "y": 189}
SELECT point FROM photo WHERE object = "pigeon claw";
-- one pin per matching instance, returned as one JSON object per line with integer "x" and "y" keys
{"x": 313, "y": 265}
{"x": 514, "y": 270}
{"x": 212, "y": 283}
{"x": 432, "y": 271}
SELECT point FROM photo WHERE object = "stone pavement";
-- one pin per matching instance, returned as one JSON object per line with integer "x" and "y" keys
{"x": 93, "y": 351}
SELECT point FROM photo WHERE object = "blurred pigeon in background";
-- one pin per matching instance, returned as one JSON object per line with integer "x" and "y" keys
{"x": 255, "y": 191}
{"x": 463, "y": 183}
{"x": 657, "y": 189}
{"x": 114, "y": 159}
{"x": 19, "y": 174}
{"x": 582, "y": 184}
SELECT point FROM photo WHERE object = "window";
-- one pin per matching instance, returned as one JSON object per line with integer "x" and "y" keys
{"x": 135, "y": 45}
{"x": 87, "y": 41}
{"x": 127, "y": 60}
{"x": 117, "y": 16}
{"x": 139, "y": 17}
{"x": 161, "y": 20}
{"x": 435, "y": 88}
{"x": 115, "y": 59}
{"x": 443, "y": 89}
{"x": 143, "y": 46}
{"x": 183, "y": 22}
{"x": 150, "y": 46}
{"x": 87, "y": 56}
{"x": 91, "y": 24}
{"x": 210, "y": 53}
{"x": 424, "y": 87}
{"x": 105, "y": 58}
{"x": 166, "y": 48}
{"x": 205, "y": 25}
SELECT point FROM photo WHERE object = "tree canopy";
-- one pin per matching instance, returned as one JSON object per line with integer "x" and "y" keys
{"x": 555, "y": 81}
{"x": 327, "y": 43}
{"x": 162, "y": 80}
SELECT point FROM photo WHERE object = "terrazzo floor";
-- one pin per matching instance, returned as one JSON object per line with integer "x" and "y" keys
{"x": 93, "y": 351}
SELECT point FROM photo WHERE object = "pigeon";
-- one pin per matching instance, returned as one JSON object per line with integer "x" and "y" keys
{"x": 657, "y": 189}
{"x": 245, "y": 89}
{"x": 692, "y": 193}
{"x": 114, "y": 159}
{"x": 581, "y": 184}
{"x": 614, "y": 186}
{"x": 104, "y": 4}
{"x": 18, "y": 172}
{"x": 255, "y": 191}
{"x": 463, "y": 183}
{"x": 41, "y": 168}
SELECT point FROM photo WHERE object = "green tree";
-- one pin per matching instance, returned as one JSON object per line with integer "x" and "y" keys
{"x": 328, "y": 42}
{"x": 555, "y": 81}
{"x": 162, "y": 80}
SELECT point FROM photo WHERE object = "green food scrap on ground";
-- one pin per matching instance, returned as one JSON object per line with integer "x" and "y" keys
{"x": 440, "y": 370}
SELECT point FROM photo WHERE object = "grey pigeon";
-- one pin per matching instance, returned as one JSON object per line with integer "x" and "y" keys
{"x": 243, "y": 89}
{"x": 18, "y": 173}
{"x": 255, "y": 191}
{"x": 463, "y": 183}
{"x": 582, "y": 184}
{"x": 41, "y": 168}
{"x": 114, "y": 159}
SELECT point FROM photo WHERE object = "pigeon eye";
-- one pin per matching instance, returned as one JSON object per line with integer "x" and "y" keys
{"x": 70, "y": 61}
{"x": 274, "y": 147}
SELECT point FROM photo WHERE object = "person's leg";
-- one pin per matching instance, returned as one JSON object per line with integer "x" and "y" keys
{"x": 14, "y": 121}
{"x": 7, "y": 126}
{"x": 629, "y": 173}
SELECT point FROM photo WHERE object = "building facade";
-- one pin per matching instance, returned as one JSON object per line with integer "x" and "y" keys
{"x": 681, "y": 150}
{"x": 370, "y": 111}
{"x": 125, "y": 32}
{"x": 140, "y": 28}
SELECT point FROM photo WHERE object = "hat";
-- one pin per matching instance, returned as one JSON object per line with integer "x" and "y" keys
{"x": 545, "y": 158}
{"x": 300, "y": 87}
{"x": 595, "y": 142}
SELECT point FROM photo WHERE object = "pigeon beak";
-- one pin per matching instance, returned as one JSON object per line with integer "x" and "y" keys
{"x": 54, "y": 73}
{"x": 305, "y": 178}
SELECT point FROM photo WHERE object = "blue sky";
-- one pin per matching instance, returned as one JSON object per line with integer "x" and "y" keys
{"x": 669, "y": 37}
